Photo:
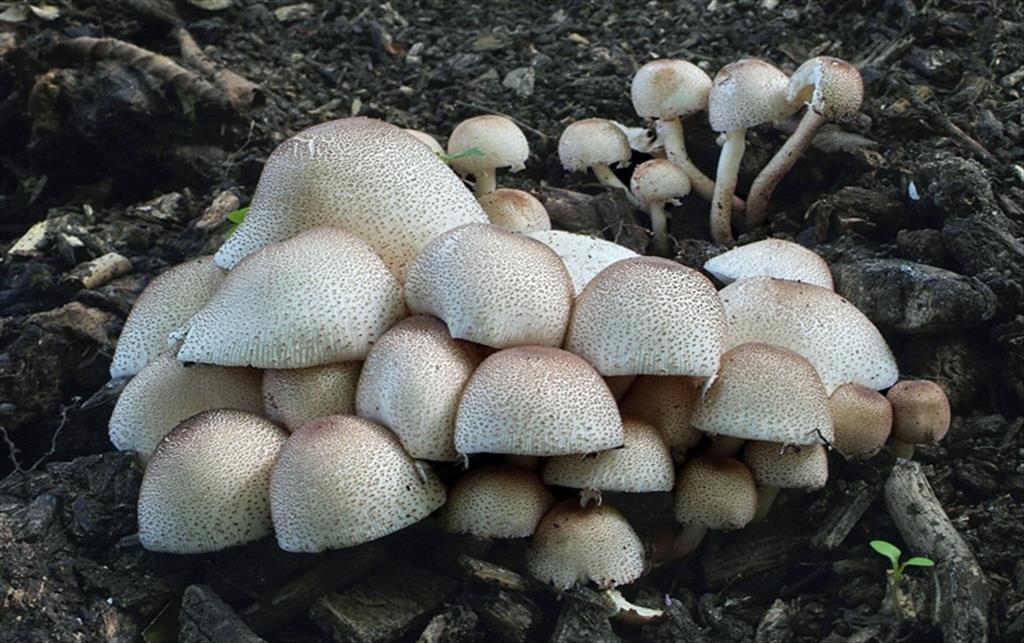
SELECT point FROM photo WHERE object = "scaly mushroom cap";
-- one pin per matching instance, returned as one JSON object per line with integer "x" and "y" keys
{"x": 670, "y": 88}
{"x": 574, "y": 545}
{"x": 535, "y": 400}
{"x": 715, "y": 492}
{"x": 502, "y": 142}
{"x": 583, "y": 256}
{"x": 166, "y": 303}
{"x": 648, "y": 316}
{"x": 748, "y": 93}
{"x": 787, "y": 467}
{"x": 427, "y": 140}
{"x": 830, "y": 86}
{"x": 920, "y": 411}
{"x": 295, "y": 396}
{"x": 166, "y": 392}
{"x": 499, "y": 501}
{"x": 771, "y": 258}
{"x": 815, "y": 322}
{"x": 643, "y": 464}
{"x": 659, "y": 181}
{"x": 765, "y": 392}
{"x": 592, "y": 141}
{"x": 323, "y": 296}
{"x": 861, "y": 418}
{"x": 341, "y": 481}
{"x": 359, "y": 174}
{"x": 411, "y": 383}
{"x": 206, "y": 487}
{"x": 668, "y": 403}
{"x": 515, "y": 210}
{"x": 492, "y": 287}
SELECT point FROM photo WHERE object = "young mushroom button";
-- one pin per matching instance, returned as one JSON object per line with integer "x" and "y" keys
{"x": 656, "y": 183}
{"x": 503, "y": 145}
{"x": 920, "y": 415}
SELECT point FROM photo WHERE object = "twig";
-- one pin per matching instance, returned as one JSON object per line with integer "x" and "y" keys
{"x": 488, "y": 110}
{"x": 241, "y": 92}
{"x": 13, "y": 450}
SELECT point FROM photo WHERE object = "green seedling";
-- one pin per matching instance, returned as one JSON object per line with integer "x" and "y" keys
{"x": 894, "y": 575}
{"x": 236, "y": 218}
{"x": 473, "y": 151}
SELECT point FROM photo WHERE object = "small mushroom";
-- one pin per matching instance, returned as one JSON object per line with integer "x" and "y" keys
{"x": 712, "y": 492}
{"x": 862, "y": 419}
{"x": 771, "y": 258}
{"x": 499, "y": 501}
{"x": 667, "y": 402}
{"x": 503, "y": 145}
{"x": 920, "y": 415}
{"x": 597, "y": 144}
{"x": 515, "y": 210}
{"x": 779, "y": 466}
{"x": 294, "y": 396}
{"x": 655, "y": 184}
{"x": 583, "y": 256}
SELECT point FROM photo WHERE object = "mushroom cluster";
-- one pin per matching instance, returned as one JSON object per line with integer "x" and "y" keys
{"x": 366, "y": 325}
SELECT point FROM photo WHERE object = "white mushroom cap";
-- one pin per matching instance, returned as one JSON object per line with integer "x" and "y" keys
{"x": 748, "y": 93}
{"x": 659, "y": 181}
{"x": 716, "y": 493}
{"x": 583, "y": 256}
{"x": 670, "y": 88}
{"x": 323, "y": 296}
{"x": 427, "y": 140}
{"x": 830, "y": 86}
{"x": 341, "y": 481}
{"x": 668, "y": 403}
{"x": 166, "y": 392}
{"x": 592, "y": 141}
{"x": 295, "y": 396}
{"x": 206, "y": 487}
{"x": 501, "y": 141}
{"x": 411, "y": 383}
{"x": 771, "y": 258}
{"x": 574, "y": 545}
{"x": 643, "y": 464}
{"x": 764, "y": 392}
{"x": 815, "y": 322}
{"x": 536, "y": 400}
{"x": 648, "y": 316}
{"x": 499, "y": 501}
{"x": 920, "y": 411}
{"x": 361, "y": 175}
{"x": 515, "y": 210}
{"x": 787, "y": 467}
{"x": 166, "y": 303}
{"x": 861, "y": 418}
{"x": 492, "y": 287}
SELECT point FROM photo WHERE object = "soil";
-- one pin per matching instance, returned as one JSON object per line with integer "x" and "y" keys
{"x": 115, "y": 158}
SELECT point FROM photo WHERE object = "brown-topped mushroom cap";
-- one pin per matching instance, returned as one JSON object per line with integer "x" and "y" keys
{"x": 716, "y": 493}
{"x": 920, "y": 411}
{"x": 500, "y": 501}
{"x": 861, "y": 418}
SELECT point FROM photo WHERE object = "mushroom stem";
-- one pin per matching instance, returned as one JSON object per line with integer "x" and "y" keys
{"x": 486, "y": 182}
{"x": 670, "y": 131}
{"x": 627, "y": 611}
{"x": 523, "y": 461}
{"x": 781, "y": 163}
{"x": 725, "y": 187}
{"x": 765, "y": 499}
{"x": 659, "y": 229}
{"x": 687, "y": 541}
{"x": 725, "y": 446}
{"x": 902, "y": 449}
{"x": 605, "y": 175}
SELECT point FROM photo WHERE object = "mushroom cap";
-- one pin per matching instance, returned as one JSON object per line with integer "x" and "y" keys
{"x": 643, "y": 464}
{"x": 499, "y": 501}
{"x": 502, "y": 142}
{"x": 536, "y": 400}
{"x": 764, "y": 392}
{"x": 342, "y": 480}
{"x": 166, "y": 303}
{"x": 648, "y": 316}
{"x": 206, "y": 487}
{"x": 920, "y": 411}
{"x": 831, "y": 87}
{"x": 716, "y": 492}
{"x": 427, "y": 140}
{"x": 492, "y": 287}
{"x": 166, "y": 392}
{"x": 582, "y": 255}
{"x": 574, "y": 545}
{"x": 861, "y": 419}
{"x": 295, "y": 396}
{"x": 670, "y": 88}
{"x": 668, "y": 403}
{"x": 787, "y": 467}
{"x": 592, "y": 141}
{"x": 359, "y": 174}
{"x": 320, "y": 297}
{"x": 659, "y": 181}
{"x": 747, "y": 93}
{"x": 815, "y": 322}
{"x": 411, "y": 383}
{"x": 771, "y": 258}
{"x": 515, "y": 210}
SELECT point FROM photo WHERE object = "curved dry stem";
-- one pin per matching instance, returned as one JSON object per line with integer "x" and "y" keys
{"x": 670, "y": 131}
{"x": 765, "y": 499}
{"x": 605, "y": 175}
{"x": 486, "y": 182}
{"x": 725, "y": 187}
{"x": 781, "y": 163}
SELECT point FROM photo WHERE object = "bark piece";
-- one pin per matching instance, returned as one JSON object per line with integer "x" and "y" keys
{"x": 583, "y": 621}
{"x": 841, "y": 521}
{"x": 750, "y": 557}
{"x": 205, "y": 618}
{"x": 510, "y": 617}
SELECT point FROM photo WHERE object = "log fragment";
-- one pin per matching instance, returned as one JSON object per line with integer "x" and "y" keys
{"x": 205, "y": 618}
{"x": 841, "y": 520}
{"x": 510, "y": 617}
{"x": 582, "y": 621}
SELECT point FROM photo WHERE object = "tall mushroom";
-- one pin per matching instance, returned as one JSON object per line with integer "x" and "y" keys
{"x": 596, "y": 144}
{"x": 655, "y": 184}
{"x": 503, "y": 145}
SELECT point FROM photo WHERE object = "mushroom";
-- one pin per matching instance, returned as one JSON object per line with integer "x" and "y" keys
{"x": 492, "y": 287}
{"x": 501, "y": 141}
{"x": 712, "y": 492}
{"x": 771, "y": 258}
{"x": 583, "y": 256}
{"x": 778, "y": 466}
{"x": 427, "y": 140}
{"x": 667, "y": 402}
{"x": 597, "y": 144}
{"x": 499, "y": 501}
{"x": 862, "y": 420}
{"x": 341, "y": 481}
{"x": 654, "y": 184}
{"x": 920, "y": 415}
{"x": 515, "y": 210}
{"x": 833, "y": 91}
{"x": 295, "y": 396}
{"x": 743, "y": 94}
{"x": 205, "y": 488}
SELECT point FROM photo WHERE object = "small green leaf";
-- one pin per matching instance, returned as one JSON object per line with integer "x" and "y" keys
{"x": 888, "y": 550}
{"x": 919, "y": 561}
{"x": 473, "y": 151}
{"x": 238, "y": 215}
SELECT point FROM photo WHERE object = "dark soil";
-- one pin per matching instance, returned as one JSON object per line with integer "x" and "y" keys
{"x": 115, "y": 159}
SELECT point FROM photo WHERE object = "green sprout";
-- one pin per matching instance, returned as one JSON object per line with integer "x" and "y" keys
{"x": 473, "y": 151}
{"x": 893, "y": 553}
{"x": 236, "y": 218}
